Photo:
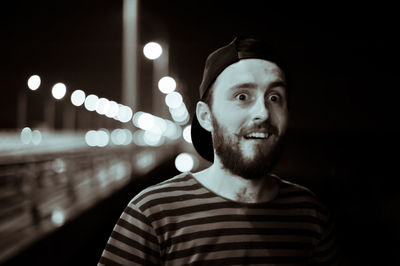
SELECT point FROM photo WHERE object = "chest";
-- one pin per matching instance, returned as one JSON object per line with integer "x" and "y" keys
{"x": 241, "y": 235}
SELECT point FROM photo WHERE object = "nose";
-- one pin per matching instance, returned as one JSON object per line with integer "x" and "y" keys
{"x": 260, "y": 111}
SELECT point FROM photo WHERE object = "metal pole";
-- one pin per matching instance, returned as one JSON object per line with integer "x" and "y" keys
{"x": 22, "y": 109}
{"x": 160, "y": 69}
{"x": 129, "y": 54}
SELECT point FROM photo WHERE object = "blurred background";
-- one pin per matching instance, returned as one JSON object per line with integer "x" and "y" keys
{"x": 97, "y": 99}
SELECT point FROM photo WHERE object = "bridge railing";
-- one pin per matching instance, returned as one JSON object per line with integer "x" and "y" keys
{"x": 41, "y": 192}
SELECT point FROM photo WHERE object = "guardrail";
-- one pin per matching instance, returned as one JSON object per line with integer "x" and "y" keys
{"x": 39, "y": 193}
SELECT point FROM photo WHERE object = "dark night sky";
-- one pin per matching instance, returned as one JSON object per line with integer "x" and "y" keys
{"x": 342, "y": 57}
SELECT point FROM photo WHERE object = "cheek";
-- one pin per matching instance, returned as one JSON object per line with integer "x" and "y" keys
{"x": 230, "y": 120}
{"x": 281, "y": 120}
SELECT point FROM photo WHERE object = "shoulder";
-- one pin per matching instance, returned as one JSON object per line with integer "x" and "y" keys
{"x": 301, "y": 196}
{"x": 288, "y": 187}
{"x": 168, "y": 188}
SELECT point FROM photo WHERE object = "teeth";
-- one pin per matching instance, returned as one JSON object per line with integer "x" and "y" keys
{"x": 257, "y": 135}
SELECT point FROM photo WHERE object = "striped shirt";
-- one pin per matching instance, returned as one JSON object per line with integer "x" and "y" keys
{"x": 181, "y": 222}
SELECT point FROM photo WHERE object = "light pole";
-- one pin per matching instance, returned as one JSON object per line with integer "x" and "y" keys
{"x": 33, "y": 83}
{"x": 158, "y": 53}
{"x": 129, "y": 54}
{"x": 58, "y": 91}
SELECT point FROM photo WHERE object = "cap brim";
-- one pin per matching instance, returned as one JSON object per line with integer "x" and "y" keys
{"x": 202, "y": 140}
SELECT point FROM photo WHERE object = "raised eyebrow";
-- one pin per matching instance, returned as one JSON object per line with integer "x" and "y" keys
{"x": 250, "y": 85}
{"x": 278, "y": 83}
{"x": 246, "y": 85}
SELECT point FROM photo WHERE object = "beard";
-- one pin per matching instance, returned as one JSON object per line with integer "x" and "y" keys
{"x": 228, "y": 149}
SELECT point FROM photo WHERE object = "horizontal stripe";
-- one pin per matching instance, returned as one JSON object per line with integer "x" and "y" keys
{"x": 225, "y": 221}
{"x": 237, "y": 246}
{"x": 135, "y": 244}
{"x": 108, "y": 262}
{"x": 223, "y": 232}
{"x": 241, "y": 238}
{"x": 202, "y": 201}
{"x": 123, "y": 254}
{"x": 176, "y": 199}
{"x": 251, "y": 260}
{"x": 155, "y": 191}
{"x": 137, "y": 231}
{"x": 220, "y": 205}
{"x": 134, "y": 236}
{"x": 136, "y": 214}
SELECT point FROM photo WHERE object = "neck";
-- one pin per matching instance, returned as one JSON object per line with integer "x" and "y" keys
{"x": 237, "y": 188}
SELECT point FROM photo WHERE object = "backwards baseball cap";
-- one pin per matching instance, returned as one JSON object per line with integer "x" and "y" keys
{"x": 240, "y": 48}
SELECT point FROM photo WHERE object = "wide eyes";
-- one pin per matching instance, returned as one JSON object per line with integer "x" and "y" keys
{"x": 245, "y": 97}
{"x": 242, "y": 97}
{"x": 274, "y": 98}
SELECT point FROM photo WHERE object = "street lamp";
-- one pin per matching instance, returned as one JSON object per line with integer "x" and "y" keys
{"x": 152, "y": 50}
{"x": 167, "y": 85}
{"x": 34, "y": 82}
{"x": 59, "y": 90}
{"x": 78, "y": 97}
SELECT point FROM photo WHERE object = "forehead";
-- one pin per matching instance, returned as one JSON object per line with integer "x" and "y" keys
{"x": 257, "y": 71}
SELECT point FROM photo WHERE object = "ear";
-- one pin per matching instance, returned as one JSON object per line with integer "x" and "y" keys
{"x": 203, "y": 114}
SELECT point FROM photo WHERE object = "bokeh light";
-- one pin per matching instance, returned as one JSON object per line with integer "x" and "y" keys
{"x": 179, "y": 111}
{"x": 152, "y": 50}
{"x": 184, "y": 162}
{"x": 103, "y": 137}
{"x": 26, "y": 135}
{"x": 186, "y": 134}
{"x": 112, "y": 110}
{"x": 78, "y": 97}
{"x": 153, "y": 139}
{"x": 36, "y": 137}
{"x": 102, "y": 106}
{"x": 173, "y": 99}
{"x": 166, "y": 85}
{"x": 59, "y": 166}
{"x": 99, "y": 138}
{"x": 145, "y": 121}
{"x": 125, "y": 113}
{"x": 173, "y": 131}
{"x": 91, "y": 138}
{"x": 91, "y": 102}
{"x": 59, "y": 90}
{"x": 34, "y": 82}
{"x": 145, "y": 159}
{"x": 181, "y": 119}
{"x": 58, "y": 216}
{"x": 138, "y": 138}
{"x": 121, "y": 136}
{"x": 160, "y": 126}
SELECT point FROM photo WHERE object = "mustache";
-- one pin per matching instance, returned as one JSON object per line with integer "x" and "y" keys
{"x": 264, "y": 127}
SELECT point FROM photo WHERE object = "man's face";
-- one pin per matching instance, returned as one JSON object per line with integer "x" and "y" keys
{"x": 249, "y": 116}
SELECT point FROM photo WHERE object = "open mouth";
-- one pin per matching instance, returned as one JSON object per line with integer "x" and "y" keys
{"x": 257, "y": 135}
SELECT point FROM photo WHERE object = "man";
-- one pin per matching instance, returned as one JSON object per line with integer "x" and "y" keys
{"x": 236, "y": 211}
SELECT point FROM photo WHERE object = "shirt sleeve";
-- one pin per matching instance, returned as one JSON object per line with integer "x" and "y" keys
{"x": 133, "y": 241}
{"x": 327, "y": 251}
